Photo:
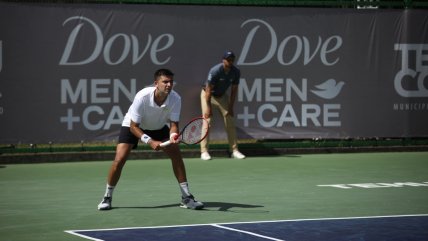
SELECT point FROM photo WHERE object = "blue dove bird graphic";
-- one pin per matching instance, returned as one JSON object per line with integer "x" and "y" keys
{"x": 329, "y": 89}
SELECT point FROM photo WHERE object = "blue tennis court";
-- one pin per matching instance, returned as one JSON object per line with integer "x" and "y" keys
{"x": 400, "y": 228}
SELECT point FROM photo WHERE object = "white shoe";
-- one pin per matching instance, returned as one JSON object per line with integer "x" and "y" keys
{"x": 105, "y": 204}
{"x": 190, "y": 203}
{"x": 238, "y": 155}
{"x": 205, "y": 156}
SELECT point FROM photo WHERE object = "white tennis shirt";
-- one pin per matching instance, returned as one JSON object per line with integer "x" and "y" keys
{"x": 150, "y": 115}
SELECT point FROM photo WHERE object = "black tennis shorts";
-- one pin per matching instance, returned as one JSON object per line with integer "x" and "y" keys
{"x": 126, "y": 135}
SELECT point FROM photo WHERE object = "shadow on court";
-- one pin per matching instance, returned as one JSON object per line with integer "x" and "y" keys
{"x": 225, "y": 207}
{"x": 209, "y": 206}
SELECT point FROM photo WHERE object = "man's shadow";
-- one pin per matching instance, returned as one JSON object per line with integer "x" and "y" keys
{"x": 208, "y": 206}
{"x": 226, "y": 207}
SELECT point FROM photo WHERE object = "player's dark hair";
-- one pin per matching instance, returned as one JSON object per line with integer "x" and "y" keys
{"x": 163, "y": 72}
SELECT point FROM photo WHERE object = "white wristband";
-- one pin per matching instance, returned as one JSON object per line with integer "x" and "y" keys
{"x": 145, "y": 138}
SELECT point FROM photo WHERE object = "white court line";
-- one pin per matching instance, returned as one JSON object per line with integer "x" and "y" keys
{"x": 82, "y": 236}
{"x": 246, "y": 232}
{"x": 270, "y": 221}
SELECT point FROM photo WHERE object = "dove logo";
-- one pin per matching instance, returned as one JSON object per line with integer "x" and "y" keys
{"x": 329, "y": 89}
{"x": 128, "y": 45}
{"x": 412, "y": 75}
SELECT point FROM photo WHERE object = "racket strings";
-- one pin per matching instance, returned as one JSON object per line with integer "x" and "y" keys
{"x": 193, "y": 132}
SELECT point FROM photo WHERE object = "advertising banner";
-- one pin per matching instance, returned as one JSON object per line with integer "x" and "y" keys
{"x": 68, "y": 72}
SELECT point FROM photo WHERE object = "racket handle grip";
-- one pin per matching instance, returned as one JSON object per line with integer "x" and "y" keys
{"x": 166, "y": 143}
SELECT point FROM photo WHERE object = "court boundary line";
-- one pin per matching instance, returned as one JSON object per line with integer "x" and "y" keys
{"x": 246, "y": 232}
{"x": 74, "y": 232}
{"x": 81, "y": 235}
{"x": 220, "y": 225}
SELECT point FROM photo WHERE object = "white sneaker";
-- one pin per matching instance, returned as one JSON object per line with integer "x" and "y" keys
{"x": 105, "y": 204}
{"x": 205, "y": 156}
{"x": 190, "y": 203}
{"x": 238, "y": 155}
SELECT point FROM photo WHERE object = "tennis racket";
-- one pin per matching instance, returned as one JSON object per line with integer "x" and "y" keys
{"x": 193, "y": 133}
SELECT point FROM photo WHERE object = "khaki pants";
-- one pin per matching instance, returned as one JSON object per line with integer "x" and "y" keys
{"x": 220, "y": 103}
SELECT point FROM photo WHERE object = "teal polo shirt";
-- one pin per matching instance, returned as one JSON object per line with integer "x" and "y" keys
{"x": 220, "y": 80}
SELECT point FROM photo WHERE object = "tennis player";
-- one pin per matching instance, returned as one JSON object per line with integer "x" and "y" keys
{"x": 147, "y": 120}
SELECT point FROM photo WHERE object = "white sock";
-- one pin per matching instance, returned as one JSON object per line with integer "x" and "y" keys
{"x": 184, "y": 187}
{"x": 109, "y": 191}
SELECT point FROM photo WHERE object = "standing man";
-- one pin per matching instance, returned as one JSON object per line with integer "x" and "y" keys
{"x": 146, "y": 120}
{"x": 213, "y": 94}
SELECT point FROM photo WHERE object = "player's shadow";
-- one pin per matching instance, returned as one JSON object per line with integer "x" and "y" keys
{"x": 209, "y": 206}
{"x": 149, "y": 207}
{"x": 230, "y": 207}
